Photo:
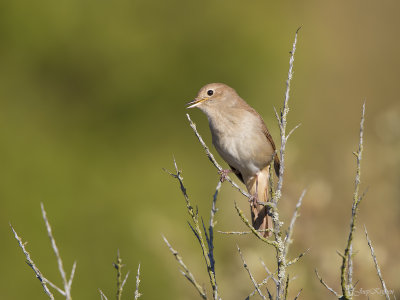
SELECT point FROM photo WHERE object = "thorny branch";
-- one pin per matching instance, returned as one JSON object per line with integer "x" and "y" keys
{"x": 207, "y": 251}
{"x": 378, "y": 270}
{"x": 67, "y": 282}
{"x": 186, "y": 272}
{"x": 346, "y": 269}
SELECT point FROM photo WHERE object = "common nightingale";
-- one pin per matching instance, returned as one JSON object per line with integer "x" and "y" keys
{"x": 242, "y": 139}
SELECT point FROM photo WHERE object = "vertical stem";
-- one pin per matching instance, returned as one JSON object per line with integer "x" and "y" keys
{"x": 280, "y": 249}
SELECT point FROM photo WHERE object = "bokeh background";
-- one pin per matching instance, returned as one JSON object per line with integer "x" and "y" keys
{"x": 92, "y": 107}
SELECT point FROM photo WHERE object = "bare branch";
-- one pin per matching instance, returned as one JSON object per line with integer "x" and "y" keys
{"x": 250, "y": 275}
{"x": 295, "y": 260}
{"x": 264, "y": 282}
{"x": 137, "y": 294}
{"x": 66, "y": 282}
{"x": 253, "y": 230}
{"x": 269, "y": 272}
{"x": 289, "y": 231}
{"x": 30, "y": 263}
{"x": 125, "y": 279}
{"x": 298, "y": 294}
{"x": 284, "y": 112}
{"x": 378, "y": 270}
{"x": 291, "y": 131}
{"x": 102, "y": 296}
{"x": 242, "y": 232}
{"x": 346, "y": 268}
{"x": 325, "y": 285}
{"x": 71, "y": 277}
{"x": 186, "y": 272}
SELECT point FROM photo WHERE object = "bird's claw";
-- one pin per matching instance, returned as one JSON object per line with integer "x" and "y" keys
{"x": 223, "y": 174}
{"x": 253, "y": 199}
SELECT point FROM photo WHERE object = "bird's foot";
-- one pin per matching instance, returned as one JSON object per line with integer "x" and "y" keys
{"x": 223, "y": 174}
{"x": 253, "y": 199}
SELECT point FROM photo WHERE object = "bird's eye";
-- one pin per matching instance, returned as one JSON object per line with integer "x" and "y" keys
{"x": 210, "y": 92}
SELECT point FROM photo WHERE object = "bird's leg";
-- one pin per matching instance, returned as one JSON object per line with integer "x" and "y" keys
{"x": 223, "y": 174}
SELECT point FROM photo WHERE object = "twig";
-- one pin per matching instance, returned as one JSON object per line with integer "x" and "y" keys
{"x": 346, "y": 268}
{"x": 210, "y": 237}
{"x": 137, "y": 294}
{"x": 284, "y": 112}
{"x": 378, "y": 270}
{"x": 207, "y": 253}
{"x": 30, "y": 263}
{"x": 186, "y": 272}
{"x": 325, "y": 285}
{"x": 269, "y": 272}
{"x": 242, "y": 232}
{"x": 253, "y": 230}
{"x": 235, "y": 232}
{"x": 298, "y": 294}
{"x": 71, "y": 277}
{"x": 102, "y": 296}
{"x": 296, "y": 259}
{"x": 293, "y": 130}
{"x": 67, "y": 283}
{"x": 250, "y": 275}
{"x": 120, "y": 283}
{"x": 281, "y": 248}
{"x": 262, "y": 283}
{"x": 125, "y": 279}
{"x": 289, "y": 232}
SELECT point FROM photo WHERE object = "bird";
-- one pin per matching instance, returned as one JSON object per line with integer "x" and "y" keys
{"x": 242, "y": 139}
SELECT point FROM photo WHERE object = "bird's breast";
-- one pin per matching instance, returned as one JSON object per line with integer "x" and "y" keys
{"x": 241, "y": 143}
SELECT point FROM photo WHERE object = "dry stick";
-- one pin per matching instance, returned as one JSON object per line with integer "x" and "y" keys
{"x": 250, "y": 275}
{"x": 253, "y": 230}
{"x": 298, "y": 294}
{"x": 347, "y": 265}
{"x": 296, "y": 259}
{"x": 102, "y": 296}
{"x": 378, "y": 270}
{"x": 137, "y": 294}
{"x": 289, "y": 233}
{"x": 210, "y": 237}
{"x": 325, "y": 285}
{"x": 281, "y": 248}
{"x": 269, "y": 272}
{"x": 236, "y": 232}
{"x": 30, "y": 263}
{"x": 197, "y": 232}
{"x": 71, "y": 277}
{"x": 186, "y": 272}
{"x": 346, "y": 275}
{"x": 242, "y": 232}
{"x": 125, "y": 279}
{"x": 120, "y": 284}
{"x": 67, "y": 283}
{"x": 262, "y": 283}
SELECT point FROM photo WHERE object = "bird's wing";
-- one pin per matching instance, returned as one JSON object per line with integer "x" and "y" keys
{"x": 267, "y": 135}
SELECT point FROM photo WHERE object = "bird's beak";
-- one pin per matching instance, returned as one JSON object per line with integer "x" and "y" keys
{"x": 196, "y": 102}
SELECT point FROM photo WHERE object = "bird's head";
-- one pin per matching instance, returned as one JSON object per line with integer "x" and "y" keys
{"x": 214, "y": 96}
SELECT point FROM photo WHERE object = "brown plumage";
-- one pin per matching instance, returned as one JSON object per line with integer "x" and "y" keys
{"x": 242, "y": 139}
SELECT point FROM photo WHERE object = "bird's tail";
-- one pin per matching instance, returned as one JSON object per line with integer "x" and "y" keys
{"x": 258, "y": 186}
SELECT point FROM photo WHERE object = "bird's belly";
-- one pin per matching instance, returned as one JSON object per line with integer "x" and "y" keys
{"x": 245, "y": 153}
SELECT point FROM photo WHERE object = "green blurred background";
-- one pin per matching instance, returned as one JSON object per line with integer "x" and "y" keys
{"x": 92, "y": 107}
